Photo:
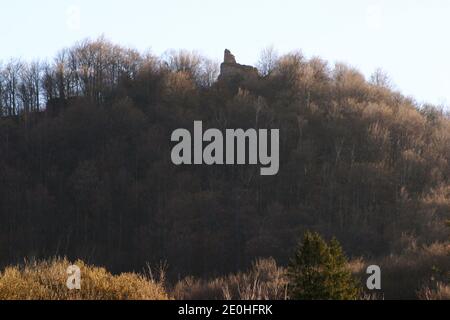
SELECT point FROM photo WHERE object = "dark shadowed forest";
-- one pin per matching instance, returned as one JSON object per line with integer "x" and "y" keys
{"x": 85, "y": 168}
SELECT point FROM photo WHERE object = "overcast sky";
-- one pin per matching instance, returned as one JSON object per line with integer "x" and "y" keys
{"x": 407, "y": 38}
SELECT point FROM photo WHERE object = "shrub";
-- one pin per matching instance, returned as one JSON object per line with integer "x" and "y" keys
{"x": 46, "y": 280}
{"x": 442, "y": 292}
{"x": 418, "y": 272}
{"x": 264, "y": 281}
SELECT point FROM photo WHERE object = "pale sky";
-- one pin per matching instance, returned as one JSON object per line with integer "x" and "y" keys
{"x": 406, "y": 38}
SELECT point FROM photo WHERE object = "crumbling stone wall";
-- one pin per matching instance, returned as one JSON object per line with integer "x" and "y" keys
{"x": 230, "y": 69}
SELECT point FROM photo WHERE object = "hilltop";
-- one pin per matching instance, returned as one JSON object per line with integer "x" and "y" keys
{"x": 86, "y": 171}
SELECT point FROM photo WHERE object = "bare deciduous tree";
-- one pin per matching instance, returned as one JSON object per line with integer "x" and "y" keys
{"x": 381, "y": 79}
{"x": 267, "y": 61}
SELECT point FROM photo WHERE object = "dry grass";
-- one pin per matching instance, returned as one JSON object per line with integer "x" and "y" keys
{"x": 418, "y": 272}
{"x": 411, "y": 275}
{"x": 46, "y": 280}
{"x": 264, "y": 281}
{"x": 441, "y": 292}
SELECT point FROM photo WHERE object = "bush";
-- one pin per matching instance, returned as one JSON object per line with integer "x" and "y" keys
{"x": 442, "y": 292}
{"x": 46, "y": 280}
{"x": 418, "y": 272}
{"x": 264, "y": 281}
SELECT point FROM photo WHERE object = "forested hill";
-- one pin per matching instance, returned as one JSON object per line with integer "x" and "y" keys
{"x": 85, "y": 168}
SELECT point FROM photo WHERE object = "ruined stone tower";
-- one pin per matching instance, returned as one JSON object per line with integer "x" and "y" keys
{"x": 229, "y": 58}
{"x": 230, "y": 69}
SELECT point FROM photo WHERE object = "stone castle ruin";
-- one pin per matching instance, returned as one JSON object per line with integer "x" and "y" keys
{"x": 231, "y": 70}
